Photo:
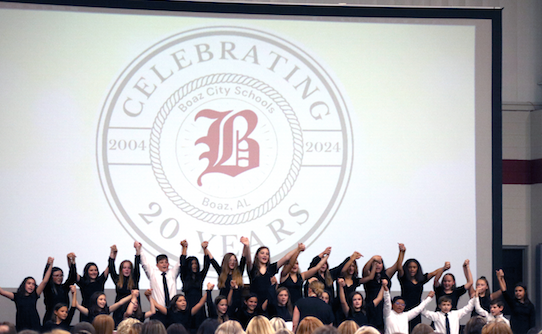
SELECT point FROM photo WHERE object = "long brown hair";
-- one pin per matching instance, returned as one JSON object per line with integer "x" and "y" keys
{"x": 225, "y": 270}
{"x": 256, "y": 264}
{"x": 131, "y": 283}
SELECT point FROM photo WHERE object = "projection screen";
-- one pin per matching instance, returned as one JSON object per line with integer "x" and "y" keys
{"x": 355, "y": 128}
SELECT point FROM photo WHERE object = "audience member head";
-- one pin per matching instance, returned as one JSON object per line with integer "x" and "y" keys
{"x": 259, "y": 325}
{"x": 7, "y": 328}
{"x": 348, "y": 327}
{"x": 83, "y": 328}
{"x": 208, "y": 326}
{"x": 284, "y": 331}
{"x": 316, "y": 287}
{"x": 126, "y": 326}
{"x": 326, "y": 329}
{"x": 422, "y": 329}
{"x": 230, "y": 327}
{"x": 474, "y": 325}
{"x": 496, "y": 328}
{"x": 176, "y": 329}
{"x": 153, "y": 327}
{"x": 367, "y": 330}
{"x": 59, "y": 331}
{"x": 103, "y": 324}
{"x": 309, "y": 324}
{"x": 277, "y": 323}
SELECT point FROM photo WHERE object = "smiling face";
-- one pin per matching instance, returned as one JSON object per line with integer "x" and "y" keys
{"x": 379, "y": 266}
{"x": 222, "y": 306}
{"x": 62, "y": 313}
{"x": 263, "y": 256}
{"x": 163, "y": 265}
{"x": 251, "y": 303}
{"x": 448, "y": 282}
{"x": 398, "y": 306}
{"x": 93, "y": 272}
{"x": 181, "y": 303}
{"x": 295, "y": 268}
{"x": 357, "y": 302}
{"x": 126, "y": 268}
{"x": 352, "y": 269}
{"x": 101, "y": 301}
{"x": 58, "y": 276}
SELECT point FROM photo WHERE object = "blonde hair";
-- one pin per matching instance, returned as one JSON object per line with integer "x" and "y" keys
{"x": 230, "y": 327}
{"x": 367, "y": 330}
{"x": 348, "y": 327}
{"x": 287, "y": 331}
{"x": 103, "y": 324}
{"x": 126, "y": 326}
{"x": 317, "y": 287}
{"x": 259, "y": 325}
{"x": 309, "y": 324}
{"x": 277, "y": 323}
{"x": 225, "y": 269}
{"x": 496, "y": 328}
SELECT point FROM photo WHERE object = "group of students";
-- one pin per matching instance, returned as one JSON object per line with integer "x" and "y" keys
{"x": 330, "y": 294}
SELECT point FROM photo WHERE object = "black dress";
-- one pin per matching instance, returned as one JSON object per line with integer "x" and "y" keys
{"x": 57, "y": 293}
{"x": 294, "y": 288}
{"x": 454, "y": 295}
{"x": 523, "y": 315}
{"x": 87, "y": 290}
{"x": 27, "y": 316}
{"x": 412, "y": 295}
{"x": 335, "y": 272}
{"x": 273, "y": 307}
{"x": 259, "y": 284}
{"x": 124, "y": 291}
{"x": 224, "y": 291}
{"x": 315, "y": 307}
{"x": 64, "y": 325}
{"x": 372, "y": 288}
{"x": 193, "y": 287}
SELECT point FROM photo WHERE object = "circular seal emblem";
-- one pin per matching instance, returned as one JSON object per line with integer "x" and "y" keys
{"x": 221, "y": 132}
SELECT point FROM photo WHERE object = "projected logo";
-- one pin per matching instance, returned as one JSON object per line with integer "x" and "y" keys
{"x": 222, "y": 132}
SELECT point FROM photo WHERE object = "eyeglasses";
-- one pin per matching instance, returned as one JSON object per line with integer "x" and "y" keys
{"x": 58, "y": 275}
{"x": 400, "y": 304}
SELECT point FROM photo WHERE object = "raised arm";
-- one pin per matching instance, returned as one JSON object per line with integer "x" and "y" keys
{"x": 369, "y": 277}
{"x": 468, "y": 274}
{"x": 295, "y": 319}
{"x": 291, "y": 263}
{"x": 206, "y": 259}
{"x": 124, "y": 300}
{"x": 202, "y": 300}
{"x": 477, "y": 306}
{"x": 368, "y": 266}
{"x": 438, "y": 274}
{"x": 131, "y": 308}
{"x": 111, "y": 265}
{"x": 75, "y": 303}
{"x": 7, "y": 294}
{"x": 152, "y": 310}
{"x": 161, "y": 308}
{"x": 246, "y": 252}
{"x": 43, "y": 284}
{"x": 144, "y": 264}
{"x": 324, "y": 256}
{"x": 393, "y": 269}
{"x": 289, "y": 255}
{"x": 380, "y": 295}
{"x": 413, "y": 313}
{"x": 500, "y": 278}
{"x": 440, "y": 270}
{"x": 387, "y": 299}
{"x": 355, "y": 256}
{"x": 72, "y": 274}
{"x": 344, "y": 304}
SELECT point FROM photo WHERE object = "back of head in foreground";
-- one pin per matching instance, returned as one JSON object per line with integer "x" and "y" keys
{"x": 230, "y": 327}
{"x": 326, "y": 329}
{"x": 308, "y": 325}
{"x": 496, "y": 328}
{"x": 103, "y": 324}
{"x": 153, "y": 327}
{"x": 259, "y": 325}
{"x": 367, "y": 330}
{"x": 348, "y": 327}
{"x": 422, "y": 329}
